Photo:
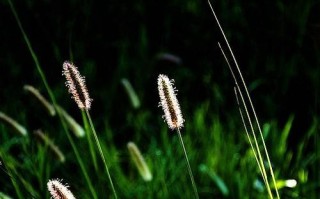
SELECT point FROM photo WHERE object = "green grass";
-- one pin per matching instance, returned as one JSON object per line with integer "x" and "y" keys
{"x": 221, "y": 159}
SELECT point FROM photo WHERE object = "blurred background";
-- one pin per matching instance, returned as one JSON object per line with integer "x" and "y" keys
{"x": 276, "y": 43}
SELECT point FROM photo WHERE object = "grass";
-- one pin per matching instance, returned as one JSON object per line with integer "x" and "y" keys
{"x": 220, "y": 155}
{"x": 250, "y": 119}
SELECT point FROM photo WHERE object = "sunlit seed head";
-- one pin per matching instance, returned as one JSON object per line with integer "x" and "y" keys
{"x": 58, "y": 190}
{"x": 291, "y": 183}
{"x": 169, "y": 103}
{"x": 76, "y": 85}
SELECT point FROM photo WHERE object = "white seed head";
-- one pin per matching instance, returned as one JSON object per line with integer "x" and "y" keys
{"x": 76, "y": 85}
{"x": 58, "y": 190}
{"x": 169, "y": 103}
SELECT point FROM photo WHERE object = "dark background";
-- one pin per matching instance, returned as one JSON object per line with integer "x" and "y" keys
{"x": 276, "y": 44}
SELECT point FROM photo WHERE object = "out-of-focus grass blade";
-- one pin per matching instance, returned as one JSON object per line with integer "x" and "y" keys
{"x": 282, "y": 145}
{"x": 131, "y": 93}
{"x": 216, "y": 179}
{"x": 4, "y": 196}
{"x": 14, "y": 124}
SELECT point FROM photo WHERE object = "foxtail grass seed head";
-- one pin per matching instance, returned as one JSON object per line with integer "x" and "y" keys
{"x": 54, "y": 148}
{"x": 40, "y": 97}
{"x": 169, "y": 102}
{"x": 58, "y": 190}
{"x": 139, "y": 161}
{"x": 73, "y": 125}
{"x": 76, "y": 85}
{"x": 131, "y": 93}
{"x": 14, "y": 124}
{"x": 169, "y": 58}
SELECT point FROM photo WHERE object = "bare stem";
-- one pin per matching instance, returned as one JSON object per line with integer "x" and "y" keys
{"x": 188, "y": 164}
{"x": 101, "y": 153}
{"x": 249, "y": 98}
{"x": 247, "y": 133}
{"x": 258, "y": 158}
{"x": 255, "y": 142}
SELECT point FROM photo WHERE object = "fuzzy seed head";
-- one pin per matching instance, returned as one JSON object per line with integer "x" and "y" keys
{"x": 58, "y": 190}
{"x": 169, "y": 103}
{"x": 10, "y": 121}
{"x": 76, "y": 85}
{"x": 41, "y": 98}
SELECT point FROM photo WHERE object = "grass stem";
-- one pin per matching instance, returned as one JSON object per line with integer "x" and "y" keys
{"x": 52, "y": 97}
{"x": 101, "y": 153}
{"x": 250, "y": 102}
{"x": 188, "y": 164}
{"x": 89, "y": 139}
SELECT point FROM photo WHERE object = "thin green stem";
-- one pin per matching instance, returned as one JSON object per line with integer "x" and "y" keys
{"x": 34, "y": 56}
{"x": 248, "y": 136}
{"x": 101, "y": 153}
{"x": 89, "y": 139}
{"x": 259, "y": 159}
{"x": 52, "y": 97}
{"x": 261, "y": 167}
{"x": 188, "y": 164}
{"x": 249, "y": 98}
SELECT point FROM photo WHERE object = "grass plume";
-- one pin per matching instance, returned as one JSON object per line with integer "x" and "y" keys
{"x": 14, "y": 124}
{"x": 77, "y": 88}
{"x": 139, "y": 161}
{"x": 131, "y": 93}
{"x": 73, "y": 125}
{"x": 36, "y": 93}
{"x": 54, "y": 148}
{"x": 173, "y": 116}
{"x": 59, "y": 190}
{"x": 169, "y": 103}
{"x": 76, "y": 85}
